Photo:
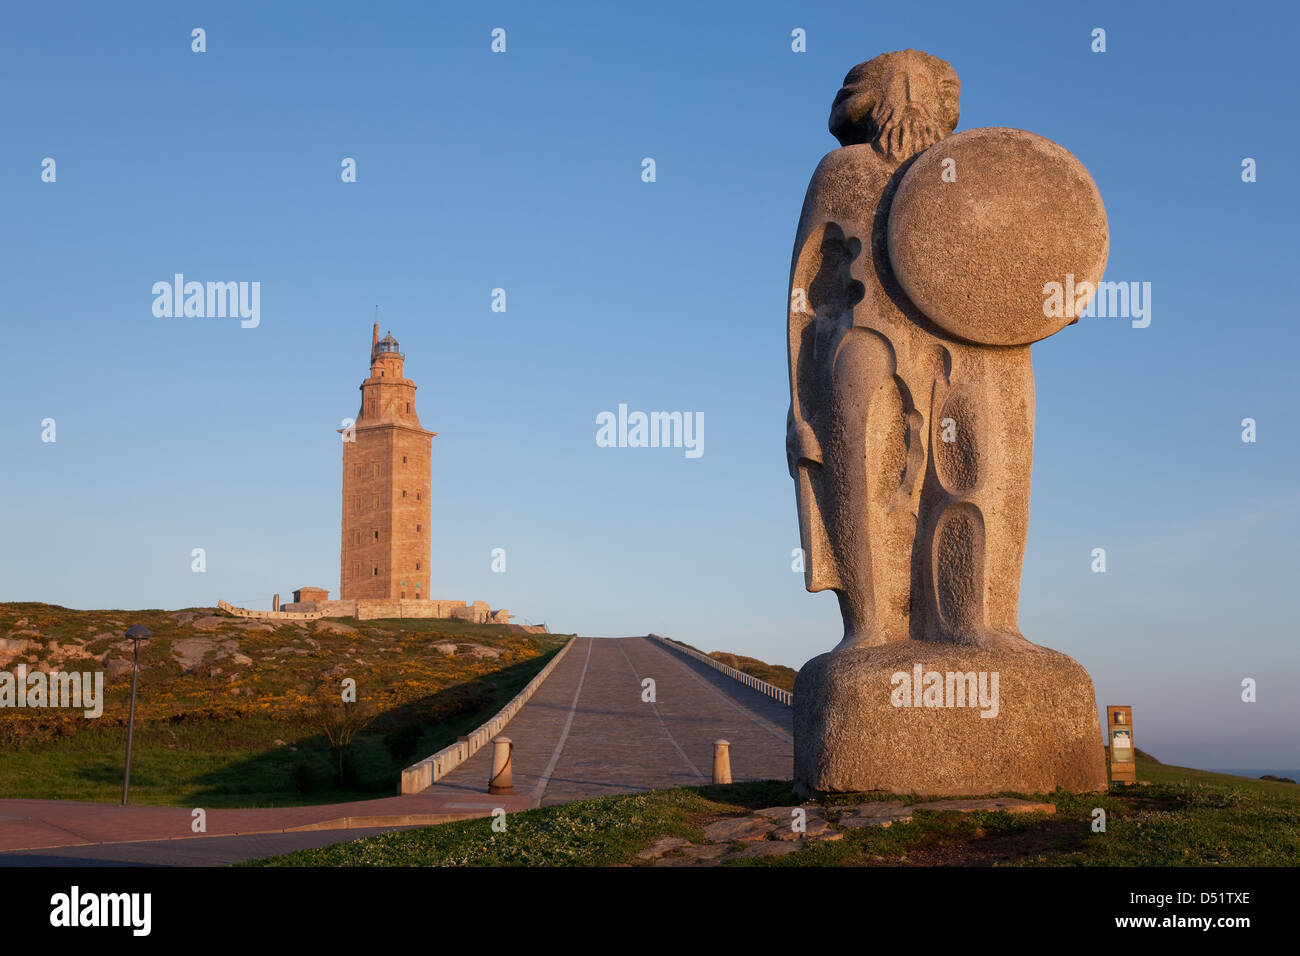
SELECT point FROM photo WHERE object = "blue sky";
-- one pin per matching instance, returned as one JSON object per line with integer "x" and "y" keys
{"x": 522, "y": 171}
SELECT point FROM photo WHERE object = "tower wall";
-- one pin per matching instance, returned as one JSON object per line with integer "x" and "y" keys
{"x": 384, "y": 551}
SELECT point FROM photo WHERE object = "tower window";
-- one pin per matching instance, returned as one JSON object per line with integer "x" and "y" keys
{"x": 403, "y": 595}
{"x": 417, "y": 529}
{"x": 417, "y": 496}
{"x": 417, "y": 565}
{"x": 403, "y": 494}
{"x": 403, "y": 459}
{"x": 376, "y": 571}
{"x": 376, "y": 535}
{"x": 408, "y": 408}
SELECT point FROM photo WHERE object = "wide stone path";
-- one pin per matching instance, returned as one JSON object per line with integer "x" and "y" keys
{"x": 586, "y": 732}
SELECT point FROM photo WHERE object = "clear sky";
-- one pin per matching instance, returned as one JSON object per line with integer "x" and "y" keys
{"x": 522, "y": 171}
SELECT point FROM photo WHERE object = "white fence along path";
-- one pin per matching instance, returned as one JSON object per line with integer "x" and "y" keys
{"x": 762, "y": 686}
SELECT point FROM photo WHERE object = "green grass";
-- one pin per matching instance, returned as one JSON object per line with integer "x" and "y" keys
{"x": 1179, "y": 817}
{"x": 205, "y": 761}
{"x": 596, "y": 832}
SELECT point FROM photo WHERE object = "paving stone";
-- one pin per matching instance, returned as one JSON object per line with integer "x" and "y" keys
{"x": 693, "y": 855}
{"x": 999, "y": 804}
{"x": 877, "y": 818}
{"x": 737, "y": 828}
{"x": 874, "y": 805}
{"x": 707, "y": 851}
{"x": 813, "y": 826}
{"x": 765, "y": 848}
{"x": 784, "y": 814}
{"x": 662, "y": 846}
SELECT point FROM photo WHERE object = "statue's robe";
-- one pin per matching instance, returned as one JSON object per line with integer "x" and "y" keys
{"x": 920, "y": 538}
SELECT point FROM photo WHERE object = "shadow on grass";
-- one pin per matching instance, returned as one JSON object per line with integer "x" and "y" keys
{"x": 305, "y": 769}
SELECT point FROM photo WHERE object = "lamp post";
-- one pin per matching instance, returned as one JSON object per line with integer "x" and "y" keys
{"x": 136, "y": 636}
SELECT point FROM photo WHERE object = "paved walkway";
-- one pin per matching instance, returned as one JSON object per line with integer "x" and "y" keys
{"x": 200, "y": 851}
{"x": 586, "y": 732}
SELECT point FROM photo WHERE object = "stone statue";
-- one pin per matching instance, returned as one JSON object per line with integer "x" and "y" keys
{"x": 918, "y": 282}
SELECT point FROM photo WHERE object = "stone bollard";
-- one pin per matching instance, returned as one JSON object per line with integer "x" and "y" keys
{"x": 501, "y": 781}
{"x": 722, "y": 761}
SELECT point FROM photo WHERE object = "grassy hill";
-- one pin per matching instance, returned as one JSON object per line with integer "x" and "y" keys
{"x": 235, "y": 712}
{"x": 1179, "y": 817}
{"x": 778, "y": 675}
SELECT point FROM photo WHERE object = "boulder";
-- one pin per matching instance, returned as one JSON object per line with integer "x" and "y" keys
{"x": 189, "y": 652}
{"x": 115, "y": 668}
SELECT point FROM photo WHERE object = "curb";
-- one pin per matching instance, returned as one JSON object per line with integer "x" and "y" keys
{"x": 420, "y": 776}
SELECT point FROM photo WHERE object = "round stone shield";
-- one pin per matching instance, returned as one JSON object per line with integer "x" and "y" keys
{"x": 994, "y": 233}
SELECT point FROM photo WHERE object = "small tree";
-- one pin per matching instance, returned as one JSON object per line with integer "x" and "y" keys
{"x": 340, "y": 722}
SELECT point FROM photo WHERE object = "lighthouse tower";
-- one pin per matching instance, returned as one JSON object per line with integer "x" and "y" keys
{"x": 386, "y": 471}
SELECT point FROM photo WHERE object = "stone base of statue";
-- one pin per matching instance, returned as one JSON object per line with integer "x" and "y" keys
{"x": 945, "y": 719}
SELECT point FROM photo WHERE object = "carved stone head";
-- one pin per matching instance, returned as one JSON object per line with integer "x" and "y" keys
{"x": 900, "y": 103}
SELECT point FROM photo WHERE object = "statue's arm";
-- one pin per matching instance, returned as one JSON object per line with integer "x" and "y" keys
{"x": 801, "y": 442}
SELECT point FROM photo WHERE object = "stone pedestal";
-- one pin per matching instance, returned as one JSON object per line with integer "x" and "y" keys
{"x": 858, "y": 726}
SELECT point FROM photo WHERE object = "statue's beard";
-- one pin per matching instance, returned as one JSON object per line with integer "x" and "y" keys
{"x": 902, "y": 134}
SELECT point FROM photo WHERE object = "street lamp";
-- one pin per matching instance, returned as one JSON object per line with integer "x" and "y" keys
{"x": 136, "y": 636}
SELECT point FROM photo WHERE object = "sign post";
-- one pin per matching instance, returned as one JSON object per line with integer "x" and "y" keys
{"x": 1119, "y": 735}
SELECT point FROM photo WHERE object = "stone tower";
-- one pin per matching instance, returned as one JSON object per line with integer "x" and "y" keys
{"x": 386, "y": 469}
